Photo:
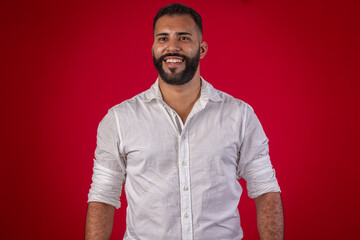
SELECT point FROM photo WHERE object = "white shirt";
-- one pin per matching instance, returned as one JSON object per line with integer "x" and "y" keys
{"x": 181, "y": 180}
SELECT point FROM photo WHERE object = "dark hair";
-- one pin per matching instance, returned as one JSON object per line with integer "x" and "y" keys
{"x": 179, "y": 9}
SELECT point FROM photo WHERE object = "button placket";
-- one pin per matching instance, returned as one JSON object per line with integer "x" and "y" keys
{"x": 186, "y": 212}
{"x": 170, "y": 115}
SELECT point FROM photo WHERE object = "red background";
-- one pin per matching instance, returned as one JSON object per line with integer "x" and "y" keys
{"x": 65, "y": 63}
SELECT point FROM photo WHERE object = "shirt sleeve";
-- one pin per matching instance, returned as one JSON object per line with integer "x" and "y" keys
{"x": 109, "y": 170}
{"x": 254, "y": 164}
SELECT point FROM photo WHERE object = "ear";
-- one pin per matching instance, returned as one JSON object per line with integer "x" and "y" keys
{"x": 152, "y": 49}
{"x": 203, "y": 49}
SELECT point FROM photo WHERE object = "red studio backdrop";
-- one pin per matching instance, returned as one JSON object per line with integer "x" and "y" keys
{"x": 65, "y": 63}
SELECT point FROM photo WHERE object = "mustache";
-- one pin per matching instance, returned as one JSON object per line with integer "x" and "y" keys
{"x": 172, "y": 55}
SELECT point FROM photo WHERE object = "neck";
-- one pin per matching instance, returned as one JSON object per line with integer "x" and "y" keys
{"x": 181, "y": 98}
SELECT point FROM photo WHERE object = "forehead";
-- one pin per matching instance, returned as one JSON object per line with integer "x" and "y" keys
{"x": 168, "y": 23}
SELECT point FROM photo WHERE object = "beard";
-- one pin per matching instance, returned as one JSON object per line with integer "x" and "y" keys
{"x": 180, "y": 78}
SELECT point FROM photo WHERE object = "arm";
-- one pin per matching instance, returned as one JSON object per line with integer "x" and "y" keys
{"x": 270, "y": 218}
{"x": 107, "y": 181}
{"x": 99, "y": 221}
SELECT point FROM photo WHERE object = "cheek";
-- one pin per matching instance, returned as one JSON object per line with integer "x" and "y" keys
{"x": 193, "y": 50}
{"x": 157, "y": 51}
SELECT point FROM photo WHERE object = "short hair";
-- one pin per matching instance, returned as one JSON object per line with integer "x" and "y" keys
{"x": 179, "y": 9}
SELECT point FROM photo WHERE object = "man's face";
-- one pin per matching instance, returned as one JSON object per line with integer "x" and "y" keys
{"x": 176, "y": 49}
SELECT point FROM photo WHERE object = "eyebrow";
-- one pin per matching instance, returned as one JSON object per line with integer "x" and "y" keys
{"x": 178, "y": 34}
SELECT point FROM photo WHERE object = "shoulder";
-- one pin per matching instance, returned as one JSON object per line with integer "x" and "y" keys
{"x": 222, "y": 98}
{"x": 233, "y": 102}
{"x": 133, "y": 103}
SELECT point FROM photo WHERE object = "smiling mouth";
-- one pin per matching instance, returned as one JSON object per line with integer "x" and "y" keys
{"x": 173, "y": 59}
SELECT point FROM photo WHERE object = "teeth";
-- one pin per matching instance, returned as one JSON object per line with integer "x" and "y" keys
{"x": 173, "y": 60}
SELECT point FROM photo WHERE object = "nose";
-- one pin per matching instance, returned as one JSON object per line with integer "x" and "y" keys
{"x": 173, "y": 46}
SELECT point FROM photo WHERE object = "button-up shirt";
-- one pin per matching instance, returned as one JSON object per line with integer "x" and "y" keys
{"x": 181, "y": 180}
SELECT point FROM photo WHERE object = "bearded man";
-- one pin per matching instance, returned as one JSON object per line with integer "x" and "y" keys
{"x": 181, "y": 147}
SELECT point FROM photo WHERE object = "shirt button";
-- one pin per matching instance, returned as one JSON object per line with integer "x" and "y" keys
{"x": 186, "y": 215}
{"x": 184, "y": 163}
{"x": 186, "y": 188}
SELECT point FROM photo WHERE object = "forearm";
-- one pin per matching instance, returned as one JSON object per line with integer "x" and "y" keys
{"x": 270, "y": 218}
{"x": 99, "y": 221}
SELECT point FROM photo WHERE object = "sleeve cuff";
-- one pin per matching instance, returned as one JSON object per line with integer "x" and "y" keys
{"x": 260, "y": 177}
{"x": 106, "y": 186}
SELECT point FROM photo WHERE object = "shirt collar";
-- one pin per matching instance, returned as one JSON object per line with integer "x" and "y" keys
{"x": 208, "y": 92}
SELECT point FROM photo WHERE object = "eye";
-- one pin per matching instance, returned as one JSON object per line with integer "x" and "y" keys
{"x": 184, "y": 38}
{"x": 162, "y": 39}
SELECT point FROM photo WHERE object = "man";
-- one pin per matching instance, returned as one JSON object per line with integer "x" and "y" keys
{"x": 180, "y": 148}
